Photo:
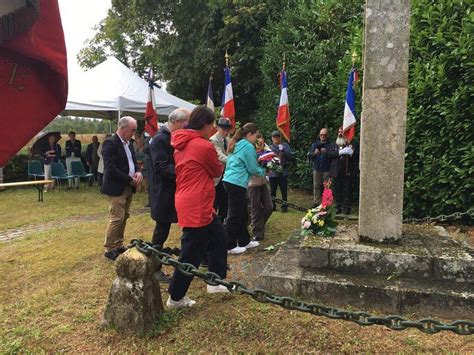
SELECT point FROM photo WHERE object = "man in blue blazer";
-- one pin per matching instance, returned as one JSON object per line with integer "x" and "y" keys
{"x": 121, "y": 177}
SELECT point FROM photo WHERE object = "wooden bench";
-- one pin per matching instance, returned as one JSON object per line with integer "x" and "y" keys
{"x": 38, "y": 184}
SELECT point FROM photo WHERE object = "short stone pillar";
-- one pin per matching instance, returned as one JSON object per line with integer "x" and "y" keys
{"x": 134, "y": 302}
{"x": 383, "y": 121}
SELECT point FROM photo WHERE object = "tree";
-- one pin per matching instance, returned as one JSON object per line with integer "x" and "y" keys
{"x": 318, "y": 38}
{"x": 186, "y": 41}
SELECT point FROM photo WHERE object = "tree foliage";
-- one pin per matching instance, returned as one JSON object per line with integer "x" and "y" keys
{"x": 80, "y": 125}
{"x": 318, "y": 38}
{"x": 186, "y": 41}
{"x": 439, "y": 165}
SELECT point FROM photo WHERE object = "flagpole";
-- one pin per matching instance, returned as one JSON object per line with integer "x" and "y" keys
{"x": 226, "y": 59}
{"x": 354, "y": 58}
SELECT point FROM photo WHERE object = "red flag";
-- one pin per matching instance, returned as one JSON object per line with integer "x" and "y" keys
{"x": 283, "y": 117}
{"x": 33, "y": 79}
{"x": 151, "y": 119}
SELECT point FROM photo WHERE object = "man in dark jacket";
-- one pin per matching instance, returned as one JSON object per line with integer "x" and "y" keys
{"x": 93, "y": 158}
{"x": 282, "y": 149}
{"x": 163, "y": 176}
{"x": 319, "y": 156}
{"x": 343, "y": 168}
{"x": 121, "y": 177}
{"x": 162, "y": 183}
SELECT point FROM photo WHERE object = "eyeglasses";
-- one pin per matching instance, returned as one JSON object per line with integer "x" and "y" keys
{"x": 323, "y": 135}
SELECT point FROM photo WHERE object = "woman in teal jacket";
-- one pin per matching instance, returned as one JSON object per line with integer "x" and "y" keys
{"x": 241, "y": 165}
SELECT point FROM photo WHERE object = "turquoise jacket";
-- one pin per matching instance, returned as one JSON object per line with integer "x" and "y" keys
{"x": 242, "y": 164}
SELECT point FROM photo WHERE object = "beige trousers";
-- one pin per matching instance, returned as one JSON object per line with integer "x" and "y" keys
{"x": 318, "y": 179}
{"x": 119, "y": 211}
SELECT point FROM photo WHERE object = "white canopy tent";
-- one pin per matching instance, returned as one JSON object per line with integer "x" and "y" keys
{"x": 111, "y": 89}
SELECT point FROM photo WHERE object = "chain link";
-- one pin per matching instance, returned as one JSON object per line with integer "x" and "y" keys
{"x": 395, "y": 322}
{"x": 440, "y": 218}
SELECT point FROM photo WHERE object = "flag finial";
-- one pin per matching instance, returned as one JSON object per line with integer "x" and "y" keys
{"x": 354, "y": 57}
{"x": 226, "y": 59}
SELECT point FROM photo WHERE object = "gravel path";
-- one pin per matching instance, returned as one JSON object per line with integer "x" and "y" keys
{"x": 15, "y": 233}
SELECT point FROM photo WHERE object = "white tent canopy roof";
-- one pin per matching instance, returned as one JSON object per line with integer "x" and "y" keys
{"x": 111, "y": 87}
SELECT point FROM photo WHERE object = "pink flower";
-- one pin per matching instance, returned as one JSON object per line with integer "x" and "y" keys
{"x": 322, "y": 213}
{"x": 306, "y": 225}
{"x": 327, "y": 197}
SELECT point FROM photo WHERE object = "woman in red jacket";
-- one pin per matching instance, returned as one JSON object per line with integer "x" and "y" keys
{"x": 196, "y": 165}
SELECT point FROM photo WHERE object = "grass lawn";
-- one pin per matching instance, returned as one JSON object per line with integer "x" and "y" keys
{"x": 55, "y": 284}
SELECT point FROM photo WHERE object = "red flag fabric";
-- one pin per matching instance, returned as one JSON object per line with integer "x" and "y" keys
{"x": 283, "y": 116}
{"x": 151, "y": 119}
{"x": 33, "y": 80}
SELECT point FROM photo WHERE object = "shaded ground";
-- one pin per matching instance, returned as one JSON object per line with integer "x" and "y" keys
{"x": 55, "y": 284}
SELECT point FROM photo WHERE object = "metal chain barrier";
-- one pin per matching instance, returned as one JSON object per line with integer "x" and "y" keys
{"x": 427, "y": 325}
{"x": 440, "y": 218}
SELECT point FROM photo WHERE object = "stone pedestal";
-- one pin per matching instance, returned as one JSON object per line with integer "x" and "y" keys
{"x": 384, "y": 106}
{"x": 427, "y": 272}
{"x": 134, "y": 302}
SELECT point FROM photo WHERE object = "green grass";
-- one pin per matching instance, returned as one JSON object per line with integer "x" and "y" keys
{"x": 55, "y": 285}
{"x": 20, "y": 207}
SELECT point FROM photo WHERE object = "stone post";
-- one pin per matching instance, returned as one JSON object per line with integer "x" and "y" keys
{"x": 134, "y": 302}
{"x": 384, "y": 107}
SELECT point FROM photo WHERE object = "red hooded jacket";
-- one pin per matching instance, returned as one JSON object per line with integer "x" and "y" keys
{"x": 196, "y": 164}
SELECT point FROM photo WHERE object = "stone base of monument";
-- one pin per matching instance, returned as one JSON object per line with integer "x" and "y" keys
{"x": 134, "y": 302}
{"x": 427, "y": 272}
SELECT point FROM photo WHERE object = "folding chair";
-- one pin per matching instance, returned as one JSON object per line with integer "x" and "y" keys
{"x": 78, "y": 171}
{"x": 58, "y": 173}
{"x": 35, "y": 169}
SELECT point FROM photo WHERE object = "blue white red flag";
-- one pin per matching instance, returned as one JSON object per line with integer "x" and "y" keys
{"x": 348, "y": 125}
{"x": 210, "y": 97}
{"x": 283, "y": 116}
{"x": 228, "y": 108}
{"x": 151, "y": 119}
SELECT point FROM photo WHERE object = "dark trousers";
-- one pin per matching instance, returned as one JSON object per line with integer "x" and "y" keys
{"x": 261, "y": 208}
{"x": 237, "y": 216}
{"x": 195, "y": 242}
{"x": 160, "y": 233}
{"x": 343, "y": 192}
{"x": 220, "y": 201}
{"x": 100, "y": 176}
{"x": 282, "y": 181}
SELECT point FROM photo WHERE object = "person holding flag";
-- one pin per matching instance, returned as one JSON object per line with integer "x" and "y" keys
{"x": 346, "y": 152}
{"x": 282, "y": 149}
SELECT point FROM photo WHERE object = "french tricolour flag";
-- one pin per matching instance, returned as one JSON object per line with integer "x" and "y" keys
{"x": 228, "y": 108}
{"x": 348, "y": 126}
{"x": 283, "y": 116}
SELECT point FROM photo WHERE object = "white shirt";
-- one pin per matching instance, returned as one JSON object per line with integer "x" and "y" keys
{"x": 131, "y": 165}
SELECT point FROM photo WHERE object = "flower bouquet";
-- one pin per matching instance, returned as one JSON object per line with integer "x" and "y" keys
{"x": 321, "y": 219}
{"x": 270, "y": 161}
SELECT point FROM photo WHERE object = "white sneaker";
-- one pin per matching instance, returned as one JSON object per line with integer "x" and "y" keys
{"x": 183, "y": 302}
{"x": 236, "y": 250}
{"x": 252, "y": 244}
{"x": 217, "y": 289}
